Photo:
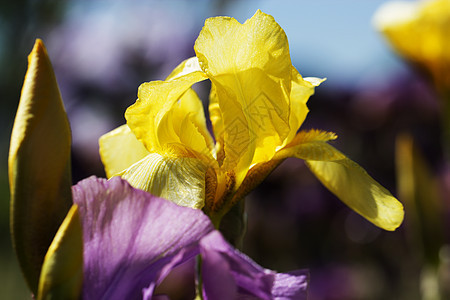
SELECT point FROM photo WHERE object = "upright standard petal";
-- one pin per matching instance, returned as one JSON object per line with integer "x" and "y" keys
{"x": 192, "y": 106}
{"x": 301, "y": 90}
{"x": 250, "y": 68}
{"x": 39, "y": 166}
{"x": 229, "y": 274}
{"x": 131, "y": 238}
{"x": 165, "y": 114}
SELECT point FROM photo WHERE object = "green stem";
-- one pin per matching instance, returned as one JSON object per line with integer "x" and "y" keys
{"x": 199, "y": 279}
{"x": 445, "y": 118}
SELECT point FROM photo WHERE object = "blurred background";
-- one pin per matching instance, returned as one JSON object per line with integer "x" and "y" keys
{"x": 103, "y": 50}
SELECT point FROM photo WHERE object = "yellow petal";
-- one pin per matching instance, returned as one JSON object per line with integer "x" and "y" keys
{"x": 119, "y": 149}
{"x": 186, "y": 67}
{"x": 250, "y": 68}
{"x": 179, "y": 179}
{"x": 168, "y": 117}
{"x": 352, "y": 185}
{"x": 215, "y": 115}
{"x": 190, "y": 108}
{"x": 62, "y": 270}
{"x": 187, "y": 120}
{"x": 39, "y": 165}
{"x": 345, "y": 178}
{"x": 311, "y": 145}
{"x": 301, "y": 90}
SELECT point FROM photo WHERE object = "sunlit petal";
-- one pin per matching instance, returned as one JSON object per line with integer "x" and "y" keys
{"x": 190, "y": 105}
{"x": 250, "y": 68}
{"x": 179, "y": 179}
{"x": 132, "y": 238}
{"x": 119, "y": 149}
{"x": 352, "y": 185}
{"x": 215, "y": 115}
{"x": 301, "y": 90}
{"x": 155, "y": 117}
{"x": 311, "y": 145}
{"x": 186, "y": 67}
{"x": 306, "y": 145}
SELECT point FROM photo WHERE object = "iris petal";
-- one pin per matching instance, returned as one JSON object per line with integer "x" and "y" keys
{"x": 192, "y": 106}
{"x": 154, "y": 118}
{"x": 352, "y": 185}
{"x": 179, "y": 179}
{"x": 250, "y": 68}
{"x": 127, "y": 240}
{"x": 229, "y": 274}
{"x": 311, "y": 145}
{"x": 301, "y": 90}
{"x": 119, "y": 149}
{"x": 345, "y": 178}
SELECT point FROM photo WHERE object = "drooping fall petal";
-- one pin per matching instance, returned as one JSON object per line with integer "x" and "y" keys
{"x": 119, "y": 149}
{"x": 131, "y": 238}
{"x": 178, "y": 179}
{"x": 39, "y": 166}
{"x": 345, "y": 178}
{"x": 353, "y": 186}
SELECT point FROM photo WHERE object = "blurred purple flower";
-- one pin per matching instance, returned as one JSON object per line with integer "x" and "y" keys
{"x": 121, "y": 38}
{"x": 101, "y": 50}
{"x": 132, "y": 240}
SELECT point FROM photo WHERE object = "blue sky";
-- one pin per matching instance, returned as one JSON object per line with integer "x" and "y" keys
{"x": 330, "y": 38}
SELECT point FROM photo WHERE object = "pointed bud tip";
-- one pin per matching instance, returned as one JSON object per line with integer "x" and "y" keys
{"x": 38, "y": 50}
{"x": 38, "y": 44}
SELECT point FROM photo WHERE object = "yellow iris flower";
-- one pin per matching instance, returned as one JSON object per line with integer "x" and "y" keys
{"x": 257, "y": 104}
{"x": 419, "y": 32}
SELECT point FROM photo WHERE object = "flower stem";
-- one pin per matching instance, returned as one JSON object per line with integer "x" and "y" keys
{"x": 199, "y": 280}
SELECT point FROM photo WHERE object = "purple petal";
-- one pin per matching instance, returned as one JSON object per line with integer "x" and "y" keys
{"x": 218, "y": 282}
{"x": 230, "y": 274}
{"x": 291, "y": 285}
{"x": 131, "y": 238}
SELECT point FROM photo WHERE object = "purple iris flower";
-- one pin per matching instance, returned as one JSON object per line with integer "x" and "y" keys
{"x": 132, "y": 240}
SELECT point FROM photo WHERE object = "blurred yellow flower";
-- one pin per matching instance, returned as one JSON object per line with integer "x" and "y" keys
{"x": 257, "y": 104}
{"x": 420, "y": 32}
